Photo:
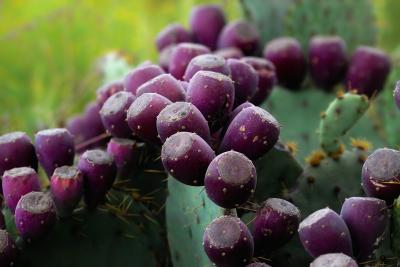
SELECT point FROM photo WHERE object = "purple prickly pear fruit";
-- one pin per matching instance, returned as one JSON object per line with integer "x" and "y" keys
{"x": 8, "y": 249}
{"x": 182, "y": 117}
{"x": 213, "y": 94}
{"x": 396, "y": 94}
{"x": 18, "y": 182}
{"x": 381, "y": 174}
{"x": 125, "y": 155}
{"x": 266, "y": 78}
{"x": 324, "y": 231}
{"x": 140, "y": 75}
{"x": 287, "y": 56}
{"x": 174, "y": 33}
{"x": 228, "y": 242}
{"x": 181, "y": 56}
{"x": 206, "y": 23}
{"x": 334, "y": 260}
{"x": 186, "y": 157}
{"x": 328, "y": 60}
{"x": 54, "y": 148}
{"x": 245, "y": 79}
{"x": 66, "y": 187}
{"x": 368, "y": 70}
{"x": 258, "y": 264}
{"x": 240, "y": 34}
{"x": 230, "y": 179}
{"x": 238, "y": 109}
{"x": 275, "y": 224}
{"x": 2, "y": 221}
{"x": 113, "y": 114}
{"x": 185, "y": 85}
{"x": 366, "y": 218}
{"x": 208, "y": 62}
{"x": 142, "y": 116}
{"x": 252, "y": 132}
{"x": 164, "y": 57}
{"x": 165, "y": 85}
{"x": 16, "y": 150}
{"x": 229, "y": 52}
{"x": 35, "y": 215}
{"x": 107, "y": 90}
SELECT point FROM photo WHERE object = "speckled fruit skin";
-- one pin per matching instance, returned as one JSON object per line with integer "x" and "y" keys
{"x": 366, "y": 219}
{"x": 381, "y": 173}
{"x": 165, "y": 85}
{"x": 54, "y": 148}
{"x": 181, "y": 56}
{"x": 334, "y": 260}
{"x": 230, "y": 52}
{"x": 107, "y": 90}
{"x": 16, "y": 150}
{"x": 18, "y": 182}
{"x": 368, "y": 70}
{"x": 140, "y": 75}
{"x": 208, "y": 62}
{"x": 142, "y": 116}
{"x": 252, "y": 132}
{"x": 213, "y": 94}
{"x": 258, "y": 264}
{"x": 186, "y": 157}
{"x": 240, "y": 34}
{"x": 275, "y": 224}
{"x": 172, "y": 34}
{"x": 182, "y": 116}
{"x": 99, "y": 172}
{"x": 113, "y": 114}
{"x": 324, "y": 231}
{"x": 327, "y": 58}
{"x": 230, "y": 179}
{"x": 66, "y": 188}
{"x": 206, "y": 23}
{"x": 287, "y": 56}
{"x": 8, "y": 250}
{"x": 35, "y": 215}
{"x": 396, "y": 94}
{"x": 164, "y": 57}
{"x": 125, "y": 155}
{"x": 228, "y": 242}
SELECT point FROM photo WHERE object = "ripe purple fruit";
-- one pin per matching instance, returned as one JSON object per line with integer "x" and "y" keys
{"x": 172, "y": 34}
{"x": 275, "y": 224}
{"x": 165, "y": 85}
{"x": 252, "y": 132}
{"x": 230, "y": 179}
{"x": 54, "y": 148}
{"x": 140, "y": 75}
{"x": 396, "y": 94}
{"x": 229, "y": 52}
{"x": 286, "y": 54}
{"x": 164, "y": 57}
{"x": 18, "y": 182}
{"x": 66, "y": 187}
{"x": 208, "y": 62}
{"x": 324, "y": 231}
{"x": 334, "y": 260}
{"x": 107, "y": 90}
{"x": 186, "y": 157}
{"x": 125, "y": 155}
{"x": 238, "y": 109}
{"x": 228, "y": 242}
{"x": 35, "y": 215}
{"x": 8, "y": 249}
{"x": 240, "y": 34}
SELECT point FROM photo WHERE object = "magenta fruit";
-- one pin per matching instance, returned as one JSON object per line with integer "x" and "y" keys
{"x": 140, "y": 75}
{"x": 125, "y": 155}
{"x": 172, "y": 34}
{"x": 165, "y": 85}
{"x": 164, "y": 57}
{"x": 208, "y": 62}
{"x": 229, "y": 52}
{"x": 8, "y": 249}
{"x": 107, "y": 90}
{"x": 334, "y": 260}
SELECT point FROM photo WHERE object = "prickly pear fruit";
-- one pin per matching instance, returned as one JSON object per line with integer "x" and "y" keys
{"x": 164, "y": 57}
{"x": 140, "y": 75}
{"x": 172, "y": 34}
{"x": 107, "y": 90}
{"x": 125, "y": 155}
{"x": 208, "y": 62}
{"x": 229, "y": 52}
{"x": 8, "y": 249}
{"x": 165, "y": 85}
{"x": 334, "y": 260}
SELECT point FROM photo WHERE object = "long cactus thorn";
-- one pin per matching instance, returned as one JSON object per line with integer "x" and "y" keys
{"x": 315, "y": 158}
{"x": 292, "y": 147}
{"x": 361, "y": 144}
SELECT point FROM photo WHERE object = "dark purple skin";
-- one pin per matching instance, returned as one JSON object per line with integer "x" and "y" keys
{"x": 266, "y": 78}
{"x": 140, "y": 75}
{"x": 186, "y": 157}
{"x": 107, "y": 90}
{"x": 182, "y": 116}
{"x": 334, "y": 260}
{"x": 327, "y": 58}
{"x": 324, "y": 231}
{"x": 275, "y": 224}
{"x": 368, "y": 69}
{"x": 238, "y": 109}
{"x": 208, "y": 62}
{"x": 125, "y": 155}
{"x": 245, "y": 79}
{"x": 206, "y": 23}
{"x": 18, "y": 182}
{"x": 66, "y": 188}
{"x": 165, "y": 85}
{"x": 35, "y": 215}
{"x": 172, "y": 34}
{"x": 366, "y": 218}
{"x": 381, "y": 174}
{"x": 229, "y": 52}
{"x": 99, "y": 172}
{"x": 164, "y": 57}
{"x": 252, "y": 132}
{"x": 142, "y": 116}
{"x": 258, "y": 264}
{"x": 242, "y": 35}
{"x": 8, "y": 249}
{"x": 228, "y": 242}
{"x": 290, "y": 63}
{"x": 2, "y": 221}
{"x": 213, "y": 94}
{"x": 396, "y": 94}
{"x": 230, "y": 179}
{"x": 16, "y": 150}
{"x": 113, "y": 114}
{"x": 181, "y": 55}
{"x": 54, "y": 148}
